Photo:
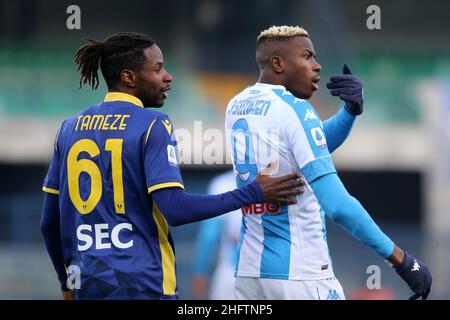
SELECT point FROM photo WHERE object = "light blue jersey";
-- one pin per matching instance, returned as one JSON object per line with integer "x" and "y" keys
{"x": 266, "y": 125}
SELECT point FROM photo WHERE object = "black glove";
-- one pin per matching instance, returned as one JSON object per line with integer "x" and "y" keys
{"x": 349, "y": 88}
{"x": 416, "y": 275}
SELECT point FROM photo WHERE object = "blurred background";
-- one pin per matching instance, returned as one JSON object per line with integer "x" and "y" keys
{"x": 396, "y": 161}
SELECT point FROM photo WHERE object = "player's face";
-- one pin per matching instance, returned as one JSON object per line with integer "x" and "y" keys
{"x": 153, "y": 80}
{"x": 301, "y": 68}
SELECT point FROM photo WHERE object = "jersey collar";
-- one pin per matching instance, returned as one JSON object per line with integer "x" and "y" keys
{"x": 121, "y": 96}
{"x": 269, "y": 85}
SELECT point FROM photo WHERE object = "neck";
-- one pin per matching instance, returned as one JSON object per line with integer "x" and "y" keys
{"x": 123, "y": 89}
{"x": 269, "y": 79}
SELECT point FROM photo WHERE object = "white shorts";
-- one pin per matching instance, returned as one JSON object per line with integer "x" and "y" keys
{"x": 275, "y": 289}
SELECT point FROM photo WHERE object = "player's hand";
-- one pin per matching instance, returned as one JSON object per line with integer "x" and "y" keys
{"x": 67, "y": 295}
{"x": 416, "y": 275}
{"x": 349, "y": 88}
{"x": 280, "y": 189}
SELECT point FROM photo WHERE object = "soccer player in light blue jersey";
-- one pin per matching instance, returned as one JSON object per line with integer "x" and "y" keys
{"x": 114, "y": 185}
{"x": 283, "y": 251}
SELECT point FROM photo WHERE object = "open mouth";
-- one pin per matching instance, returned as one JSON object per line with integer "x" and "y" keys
{"x": 315, "y": 83}
{"x": 165, "y": 93}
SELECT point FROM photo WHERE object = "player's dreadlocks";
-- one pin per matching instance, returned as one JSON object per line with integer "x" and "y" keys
{"x": 120, "y": 51}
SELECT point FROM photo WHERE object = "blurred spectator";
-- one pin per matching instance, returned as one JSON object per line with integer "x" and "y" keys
{"x": 216, "y": 245}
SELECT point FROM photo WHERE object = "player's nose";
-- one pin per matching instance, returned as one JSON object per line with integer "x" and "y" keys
{"x": 168, "y": 77}
{"x": 317, "y": 67}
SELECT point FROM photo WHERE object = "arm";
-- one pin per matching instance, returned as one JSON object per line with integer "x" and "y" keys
{"x": 348, "y": 213}
{"x": 50, "y": 231}
{"x": 50, "y": 221}
{"x": 196, "y": 207}
{"x": 180, "y": 207}
{"x": 337, "y": 128}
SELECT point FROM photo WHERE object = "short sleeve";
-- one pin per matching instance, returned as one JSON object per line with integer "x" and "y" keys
{"x": 304, "y": 134}
{"x": 160, "y": 156}
{"x": 51, "y": 181}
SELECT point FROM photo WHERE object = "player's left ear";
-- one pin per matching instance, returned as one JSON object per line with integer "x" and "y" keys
{"x": 276, "y": 63}
{"x": 128, "y": 78}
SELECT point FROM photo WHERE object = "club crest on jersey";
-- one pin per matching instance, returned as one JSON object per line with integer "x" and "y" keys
{"x": 310, "y": 115}
{"x": 318, "y": 137}
{"x": 171, "y": 155}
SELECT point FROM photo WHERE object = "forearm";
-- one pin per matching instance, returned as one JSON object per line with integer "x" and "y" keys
{"x": 179, "y": 207}
{"x": 337, "y": 128}
{"x": 52, "y": 237}
{"x": 348, "y": 213}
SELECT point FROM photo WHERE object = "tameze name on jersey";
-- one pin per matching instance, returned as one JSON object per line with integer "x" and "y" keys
{"x": 99, "y": 233}
{"x": 260, "y": 208}
{"x": 101, "y": 122}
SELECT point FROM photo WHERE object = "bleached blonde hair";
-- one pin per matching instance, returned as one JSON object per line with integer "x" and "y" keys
{"x": 281, "y": 33}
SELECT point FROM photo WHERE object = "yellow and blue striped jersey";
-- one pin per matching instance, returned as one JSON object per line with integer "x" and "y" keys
{"x": 107, "y": 160}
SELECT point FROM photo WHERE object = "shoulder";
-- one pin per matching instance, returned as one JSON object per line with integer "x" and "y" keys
{"x": 151, "y": 122}
{"x": 85, "y": 112}
{"x": 153, "y": 113}
{"x": 159, "y": 120}
{"x": 159, "y": 125}
{"x": 241, "y": 95}
{"x": 296, "y": 109}
{"x": 149, "y": 115}
{"x": 287, "y": 98}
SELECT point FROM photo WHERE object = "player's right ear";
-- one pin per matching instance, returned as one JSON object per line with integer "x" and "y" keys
{"x": 276, "y": 63}
{"x": 128, "y": 78}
